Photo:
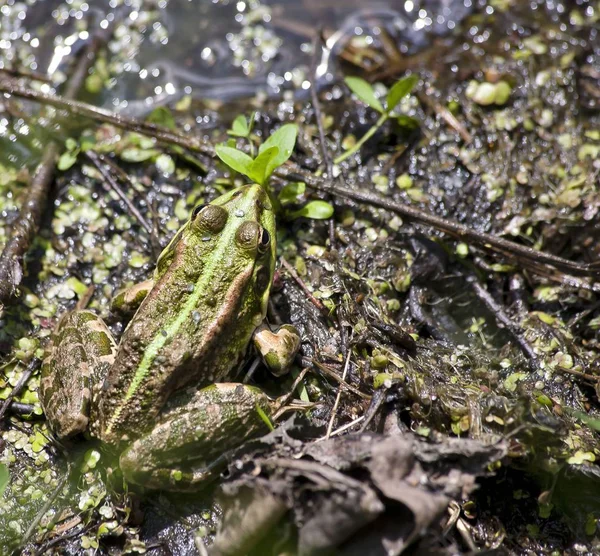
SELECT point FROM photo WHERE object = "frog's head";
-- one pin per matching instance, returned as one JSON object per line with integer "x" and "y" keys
{"x": 241, "y": 223}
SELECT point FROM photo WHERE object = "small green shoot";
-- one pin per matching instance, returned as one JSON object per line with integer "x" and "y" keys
{"x": 243, "y": 128}
{"x": 4, "y": 478}
{"x": 264, "y": 417}
{"x": 69, "y": 157}
{"x": 364, "y": 91}
{"x": 315, "y": 210}
{"x": 274, "y": 152}
{"x": 271, "y": 154}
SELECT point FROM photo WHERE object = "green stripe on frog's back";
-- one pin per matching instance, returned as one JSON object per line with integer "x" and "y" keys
{"x": 213, "y": 273}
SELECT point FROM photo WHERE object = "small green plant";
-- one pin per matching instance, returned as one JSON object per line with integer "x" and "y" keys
{"x": 271, "y": 154}
{"x": 364, "y": 91}
{"x": 274, "y": 152}
{"x": 4, "y": 478}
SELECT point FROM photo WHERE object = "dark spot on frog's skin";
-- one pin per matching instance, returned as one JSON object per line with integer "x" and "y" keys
{"x": 164, "y": 332}
{"x": 239, "y": 390}
{"x": 190, "y": 288}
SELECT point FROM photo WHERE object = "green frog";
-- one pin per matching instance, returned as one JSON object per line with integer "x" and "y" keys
{"x": 162, "y": 397}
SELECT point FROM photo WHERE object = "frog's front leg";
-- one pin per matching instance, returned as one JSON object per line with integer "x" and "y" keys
{"x": 127, "y": 301}
{"x": 77, "y": 359}
{"x": 188, "y": 447}
{"x": 277, "y": 347}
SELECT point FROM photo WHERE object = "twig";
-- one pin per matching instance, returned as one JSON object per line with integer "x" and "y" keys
{"x": 101, "y": 163}
{"x": 45, "y": 507}
{"x": 160, "y": 133}
{"x": 28, "y": 74}
{"x": 97, "y": 161}
{"x": 303, "y": 286}
{"x": 447, "y": 116}
{"x": 34, "y": 204}
{"x": 33, "y": 365}
{"x": 528, "y": 257}
{"x": 281, "y": 402}
{"x": 500, "y": 315}
{"x": 317, "y": 49}
{"x": 324, "y": 369}
{"x": 338, "y": 397}
{"x": 536, "y": 261}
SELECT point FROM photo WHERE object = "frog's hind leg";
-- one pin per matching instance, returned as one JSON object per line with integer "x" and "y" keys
{"x": 78, "y": 357}
{"x": 188, "y": 447}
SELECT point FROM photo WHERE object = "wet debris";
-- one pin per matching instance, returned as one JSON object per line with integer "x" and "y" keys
{"x": 355, "y": 494}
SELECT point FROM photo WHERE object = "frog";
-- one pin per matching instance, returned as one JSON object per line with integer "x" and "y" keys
{"x": 164, "y": 398}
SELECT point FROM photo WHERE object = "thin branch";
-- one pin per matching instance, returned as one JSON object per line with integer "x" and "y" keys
{"x": 33, "y": 365}
{"x": 338, "y": 397}
{"x": 316, "y": 302}
{"x": 34, "y": 204}
{"x": 536, "y": 261}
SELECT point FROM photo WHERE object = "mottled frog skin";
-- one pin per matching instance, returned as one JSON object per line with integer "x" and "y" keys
{"x": 161, "y": 396}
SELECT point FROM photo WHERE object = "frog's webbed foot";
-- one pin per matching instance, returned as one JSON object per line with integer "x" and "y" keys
{"x": 78, "y": 357}
{"x": 277, "y": 347}
{"x": 189, "y": 446}
{"x": 127, "y": 301}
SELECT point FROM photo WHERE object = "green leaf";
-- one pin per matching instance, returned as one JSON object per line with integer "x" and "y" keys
{"x": 364, "y": 92}
{"x": 264, "y": 417}
{"x": 162, "y": 116}
{"x": 67, "y": 159}
{"x": 239, "y": 127}
{"x": 4, "y": 478}
{"x": 133, "y": 154}
{"x": 262, "y": 166}
{"x": 285, "y": 140}
{"x": 70, "y": 144}
{"x": 165, "y": 164}
{"x": 317, "y": 210}
{"x": 236, "y": 160}
{"x": 407, "y": 122}
{"x": 399, "y": 90}
{"x": 291, "y": 192}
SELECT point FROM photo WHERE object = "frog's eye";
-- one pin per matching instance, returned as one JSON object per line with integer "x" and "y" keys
{"x": 197, "y": 211}
{"x": 210, "y": 218}
{"x": 265, "y": 241}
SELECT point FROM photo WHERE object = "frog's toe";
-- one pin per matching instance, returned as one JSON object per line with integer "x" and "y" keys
{"x": 277, "y": 347}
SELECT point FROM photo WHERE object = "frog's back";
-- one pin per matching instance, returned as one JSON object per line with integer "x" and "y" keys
{"x": 196, "y": 322}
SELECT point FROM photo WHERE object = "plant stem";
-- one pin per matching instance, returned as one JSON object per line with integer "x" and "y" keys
{"x": 382, "y": 119}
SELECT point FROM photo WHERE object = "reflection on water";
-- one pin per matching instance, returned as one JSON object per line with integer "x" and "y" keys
{"x": 164, "y": 49}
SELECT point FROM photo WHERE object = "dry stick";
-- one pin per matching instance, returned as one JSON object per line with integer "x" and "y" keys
{"x": 303, "y": 287}
{"x": 338, "y": 397}
{"x": 33, "y": 365}
{"x": 447, "y": 116}
{"x": 30, "y": 215}
{"x": 160, "y": 133}
{"x": 98, "y": 162}
{"x": 464, "y": 233}
{"x": 317, "y": 44}
{"x": 330, "y": 373}
{"x": 500, "y": 315}
{"x": 527, "y": 256}
{"x": 28, "y": 74}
